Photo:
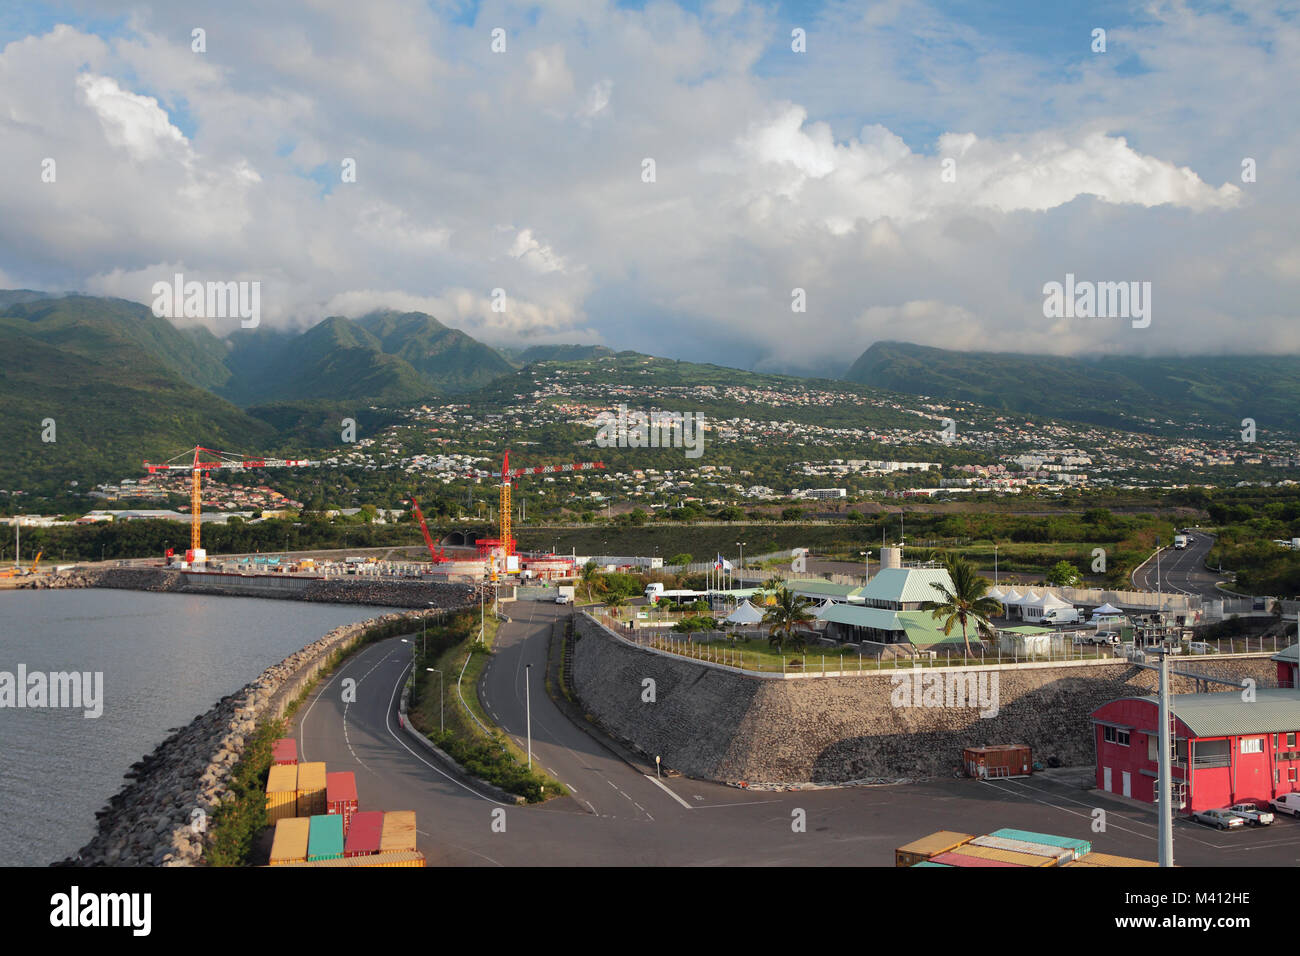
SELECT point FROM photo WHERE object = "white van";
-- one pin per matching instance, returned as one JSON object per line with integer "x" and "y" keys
{"x": 1287, "y": 803}
{"x": 1060, "y": 615}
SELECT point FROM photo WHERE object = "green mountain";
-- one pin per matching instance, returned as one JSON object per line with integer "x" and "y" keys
{"x": 560, "y": 353}
{"x": 116, "y": 381}
{"x": 447, "y": 358}
{"x": 1143, "y": 394}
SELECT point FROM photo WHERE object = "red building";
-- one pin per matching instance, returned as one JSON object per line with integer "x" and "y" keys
{"x": 1286, "y": 666}
{"x": 1238, "y": 750}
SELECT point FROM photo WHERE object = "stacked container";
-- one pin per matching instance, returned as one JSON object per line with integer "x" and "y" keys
{"x": 364, "y": 834}
{"x": 929, "y": 847}
{"x": 341, "y": 796}
{"x": 1058, "y": 855}
{"x": 955, "y": 859}
{"x": 311, "y": 789}
{"x": 1081, "y": 848}
{"x": 1108, "y": 859}
{"x": 326, "y": 837}
{"x": 284, "y": 751}
{"x": 398, "y": 833}
{"x": 282, "y": 792}
{"x": 290, "y": 844}
{"x": 1002, "y": 856}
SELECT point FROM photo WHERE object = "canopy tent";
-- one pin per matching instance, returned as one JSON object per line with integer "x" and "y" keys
{"x": 1051, "y": 600}
{"x": 1010, "y": 597}
{"x": 745, "y": 613}
{"x": 1106, "y": 608}
{"x": 1030, "y": 600}
{"x": 994, "y": 593}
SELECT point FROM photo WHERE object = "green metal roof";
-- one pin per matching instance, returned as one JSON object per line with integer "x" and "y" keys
{"x": 924, "y": 630}
{"x": 1274, "y": 711}
{"x": 906, "y": 585}
{"x": 823, "y": 588}
{"x": 859, "y": 616}
{"x": 1026, "y": 629}
{"x": 1286, "y": 654}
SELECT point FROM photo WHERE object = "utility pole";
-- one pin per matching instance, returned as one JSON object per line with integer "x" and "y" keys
{"x": 528, "y": 710}
{"x": 1166, "y": 836}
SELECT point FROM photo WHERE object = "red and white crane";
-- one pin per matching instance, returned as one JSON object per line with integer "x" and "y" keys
{"x": 218, "y": 460}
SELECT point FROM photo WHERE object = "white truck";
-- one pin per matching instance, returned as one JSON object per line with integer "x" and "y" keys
{"x": 655, "y": 590}
{"x": 564, "y": 594}
{"x": 1180, "y": 542}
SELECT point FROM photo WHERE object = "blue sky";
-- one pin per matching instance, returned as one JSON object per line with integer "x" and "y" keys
{"x": 775, "y": 171}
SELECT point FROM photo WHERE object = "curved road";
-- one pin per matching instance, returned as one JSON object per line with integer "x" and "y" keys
{"x": 1182, "y": 572}
{"x": 618, "y": 816}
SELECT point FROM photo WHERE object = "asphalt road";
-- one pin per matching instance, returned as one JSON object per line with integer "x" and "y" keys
{"x": 1182, "y": 572}
{"x": 617, "y": 816}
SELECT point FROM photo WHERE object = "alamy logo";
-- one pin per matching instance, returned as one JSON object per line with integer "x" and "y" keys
{"x": 654, "y": 430}
{"x": 75, "y": 690}
{"x": 927, "y": 688}
{"x": 76, "y": 909}
{"x": 1098, "y": 300}
{"x": 211, "y": 300}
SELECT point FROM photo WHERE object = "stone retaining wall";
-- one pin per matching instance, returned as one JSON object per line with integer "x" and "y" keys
{"x": 331, "y": 590}
{"x": 717, "y": 724}
{"x": 151, "y": 820}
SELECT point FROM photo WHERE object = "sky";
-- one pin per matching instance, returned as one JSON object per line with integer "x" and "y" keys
{"x": 916, "y": 172}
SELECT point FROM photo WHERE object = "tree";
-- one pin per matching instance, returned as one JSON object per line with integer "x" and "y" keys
{"x": 1064, "y": 574}
{"x": 789, "y": 612}
{"x": 588, "y": 572}
{"x": 680, "y": 560}
{"x": 965, "y": 602}
{"x": 791, "y": 514}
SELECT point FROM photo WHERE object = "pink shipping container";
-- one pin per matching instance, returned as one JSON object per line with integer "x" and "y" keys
{"x": 364, "y": 834}
{"x": 341, "y": 795}
{"x": 284, "y": 751}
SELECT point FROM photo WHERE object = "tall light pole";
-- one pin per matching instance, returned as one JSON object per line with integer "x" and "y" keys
{"x": 741, "y": 545}
{"x": 434, "y": 670}
{"x": 866, "y": 566}
{"x": 1165, "y": 843}
{"x": 528, "y": 711}
{"x": 995, "y": 565}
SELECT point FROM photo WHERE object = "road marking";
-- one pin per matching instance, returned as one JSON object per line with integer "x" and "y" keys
{"x": 667, "y": 791}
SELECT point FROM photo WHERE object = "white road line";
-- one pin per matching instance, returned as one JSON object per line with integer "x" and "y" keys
{"x": 667, "y": 791}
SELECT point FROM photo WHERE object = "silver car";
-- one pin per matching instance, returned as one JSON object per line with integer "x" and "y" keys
{"x": 1223, "y": 819}
{"x": 1254, "y": 814}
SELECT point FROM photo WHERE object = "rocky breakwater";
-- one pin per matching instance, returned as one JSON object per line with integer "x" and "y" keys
{"x": 161, "y": 816}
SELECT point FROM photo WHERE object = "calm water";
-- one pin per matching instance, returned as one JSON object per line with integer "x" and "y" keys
{"x": 166, "y": 658}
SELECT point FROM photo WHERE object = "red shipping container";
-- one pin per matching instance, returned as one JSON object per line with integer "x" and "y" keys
{"x": 284, "y": 751}
{"x": 363, "y": 836}
{"x": 956, "y": 859}
{"x": 341, "y": 796}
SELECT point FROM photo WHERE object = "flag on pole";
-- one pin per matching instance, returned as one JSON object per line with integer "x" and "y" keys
{"x": 722, "y": 564}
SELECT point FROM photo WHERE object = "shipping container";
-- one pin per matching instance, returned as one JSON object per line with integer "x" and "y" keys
{"x": 1107, "y": 859}
{"x": 341, "y": 796}
{"x": 1059, "y": 854}
{"x": 282, "y": 792}
{"x": 364, "y": 834}
{"x": 928, "y": 847}
{"x": 326, "y": 842}
{"x": 398, "y": 832}
{"x": 290, "y": 843}
{"x": 284, "y": 750}
{"x": 1006, "y": 856}
{"x": 1081, "y": 848}
{"x": 1003, "y": 760}
{"x": 954, "y": 859}
{"x": 311, "y": 789}
{"x": 396, "y": 858}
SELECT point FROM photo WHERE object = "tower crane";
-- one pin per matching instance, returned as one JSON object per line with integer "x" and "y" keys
{"x": 506, "y": 540}
{"x": 218, "y": 460}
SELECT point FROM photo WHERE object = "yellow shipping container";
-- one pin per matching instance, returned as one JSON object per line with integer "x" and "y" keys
{"x": 311, "y": 789}
{"x": 398, "y": 832}
{"x": 929, "y": 846}
{"x": 282, "y": 792}
{"x": 290, "y": 845}
{"x": 1005, "y": 856}
{"x": 395, "y": 858}
{"x": 1108, "y": 859}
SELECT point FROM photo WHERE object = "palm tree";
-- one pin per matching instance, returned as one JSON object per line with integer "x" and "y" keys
{"x": 965, "y": 602}
{"x": 785, "y": 615}
{"x": 588, "y": 572}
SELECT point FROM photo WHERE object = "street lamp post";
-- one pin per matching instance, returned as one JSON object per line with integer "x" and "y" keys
{"x": 528, "y": 711}
{"x": 434, "y": 670}
{"x": 995, "y": 565}
{"x": 741, "y": 545}
{"x": 866, "y": 566}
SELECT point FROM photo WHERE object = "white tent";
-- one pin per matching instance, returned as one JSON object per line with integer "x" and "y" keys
{"x": 820, "y": 612}
{"x": 994, "y": 593}
{"x": 745, "y": 613}
{"x": 1030, "y": 599}
{"x": 1011, "y": 597}
{"x": 1105, "y": 609}
{"x": 1051, "y": 600}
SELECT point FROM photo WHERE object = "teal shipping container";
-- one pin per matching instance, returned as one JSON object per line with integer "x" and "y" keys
{"x": 1081, "y": 848}
{"x": 325, "y": 840}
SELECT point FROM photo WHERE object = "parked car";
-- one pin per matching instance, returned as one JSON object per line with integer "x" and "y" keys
{"x": 1287, "y": 803}
{"x": 1253, "y": 813}
{"x": 1222, "y": 818}
{"x": 1105, "y": 638}
{"x": 1200, "y": 647}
